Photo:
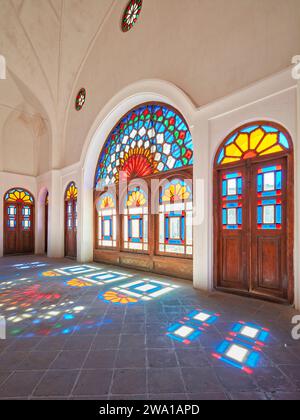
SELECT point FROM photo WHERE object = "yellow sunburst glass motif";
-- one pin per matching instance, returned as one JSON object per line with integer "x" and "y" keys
{"x": 72, "y": 192}
{"x": 115, "y": 297}
{"x": 107, "y": 203}
{"x": 253, "y": 141}
{"x": 79, "y": 283}
{"x": 20, "y": 196}
{"x": 136, "y": 199}
{"x": 176, "y": 192}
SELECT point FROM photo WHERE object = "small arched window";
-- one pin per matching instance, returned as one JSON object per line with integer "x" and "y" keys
{"x": 107, "y": 221}
{"x": 176, "y": 218}
{"x": 135, "y": 220}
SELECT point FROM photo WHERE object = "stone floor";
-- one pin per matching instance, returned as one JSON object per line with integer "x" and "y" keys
{"x": 67, "y": 342}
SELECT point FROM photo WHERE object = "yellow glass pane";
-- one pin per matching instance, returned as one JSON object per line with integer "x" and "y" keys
{"x": 230, "y": 160}
{"x": 255, "y": 138}
{"x": 269, "y": 141}
{"x": 233, "y": 151}
{"x": 243, "y": 142}
{"x": 275, "y": 149}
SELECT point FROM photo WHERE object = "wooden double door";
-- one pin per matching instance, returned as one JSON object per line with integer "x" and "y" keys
{"x": 253, "y": 224}
{"x": 18, "y": 228}
{"x": 71, "y": 228}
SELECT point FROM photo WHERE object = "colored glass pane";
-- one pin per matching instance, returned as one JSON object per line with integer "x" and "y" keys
{"x": 269, "y": 198}
{"x": 19, "y": 196}
{"x": 232, "y": 208}
{"x": 135, "y": 221}
{"x": 176, "y": 191}
{"x": 72, "y": 192}
{"x": 107, "y": 221}
{"x": 148, "y": 140}
{"x": 80, "y": 99}
{"x": 131, "y": 14}
{"x": 253, "y": 141}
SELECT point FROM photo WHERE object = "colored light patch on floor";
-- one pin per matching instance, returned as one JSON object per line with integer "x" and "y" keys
{"x": 117, "y": 298}
{"x": 238, "y": 354}
{"x": 78, "y": 270}
{"x": 146, "y": 289}
{"x": 105, "y": 277}
{"x": 184, "y": 333}
{"x": 79, "y": 283}
{"x": 203, "y": 318}
{"x": 193, "y": 324}
{"x": 250, "y": 333}
{"x": 51, "y": 274}
{"x": 28, "y": 266}
{"x": 8, "y": 285}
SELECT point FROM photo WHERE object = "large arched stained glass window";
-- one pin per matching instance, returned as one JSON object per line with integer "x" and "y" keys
{"x": 253, "y": 140}
{"x": 135, "y": 220}
{"x": 150, "y": 139}
{"x": 176, "y": 218}
{"x": 107, "y": 221}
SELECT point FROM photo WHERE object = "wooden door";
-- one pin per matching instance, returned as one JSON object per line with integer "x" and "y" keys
{"x": 269, "y": 215}
{"x": 232, "y": 229}
{"x": 252, "y": 244}
{"x": 71, "y": 228}
{"x": 19, "y": 228}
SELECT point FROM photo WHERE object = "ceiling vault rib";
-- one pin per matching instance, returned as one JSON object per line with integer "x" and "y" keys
{"x": 89, "y": 49}
{"x": 60, "y": 51}
{"x": 34, "y": 51}
{"x": 54, "y": 10}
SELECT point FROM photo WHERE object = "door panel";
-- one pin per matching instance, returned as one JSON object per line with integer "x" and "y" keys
{"x": 269, "y": 228}
{"x": 232, "y": 229}
{"x": 252, "y": 254}
{"x": 19, "y": 229}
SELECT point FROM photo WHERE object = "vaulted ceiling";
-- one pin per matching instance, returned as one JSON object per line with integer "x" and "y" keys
{"x": 208, "y": 48}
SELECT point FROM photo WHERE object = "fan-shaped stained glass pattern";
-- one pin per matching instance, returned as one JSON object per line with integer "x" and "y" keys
{"x": 176, "y": 191}
{"x": 19, "y": 196}
{"x": 131, "y": 14}
{"x": 72, "y": 192}
{"x": 148, "y": 140}
{"x": 252, "y": 141}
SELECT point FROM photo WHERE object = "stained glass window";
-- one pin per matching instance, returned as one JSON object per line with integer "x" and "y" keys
{"x": 71, "y": 206}
{"x": 107, "y": 221}
{"x": 80, "y": 99}
{"x": 232, "y": 195}
{"x": 148, "y": 140}
{"x": 176, "y": 218}
{"x": 26, "y": 218}
{"x": 12, "y": 217}
{"x": 17, "y": 195}
{"x": 269, "y": 198}
{"x": 131, "y": 14}
{"x": 135, "y": 220}
{"x": 252, "y": 141}
{"x": 71, "y": 192}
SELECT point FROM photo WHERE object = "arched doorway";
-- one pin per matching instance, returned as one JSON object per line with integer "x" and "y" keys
{"x": 253, "y": 212}
{"x": 71, "y": 195}
{"x": 18, "y": 222}
{"x": 46, "y": 221}
{"x": 147, "y": 225}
